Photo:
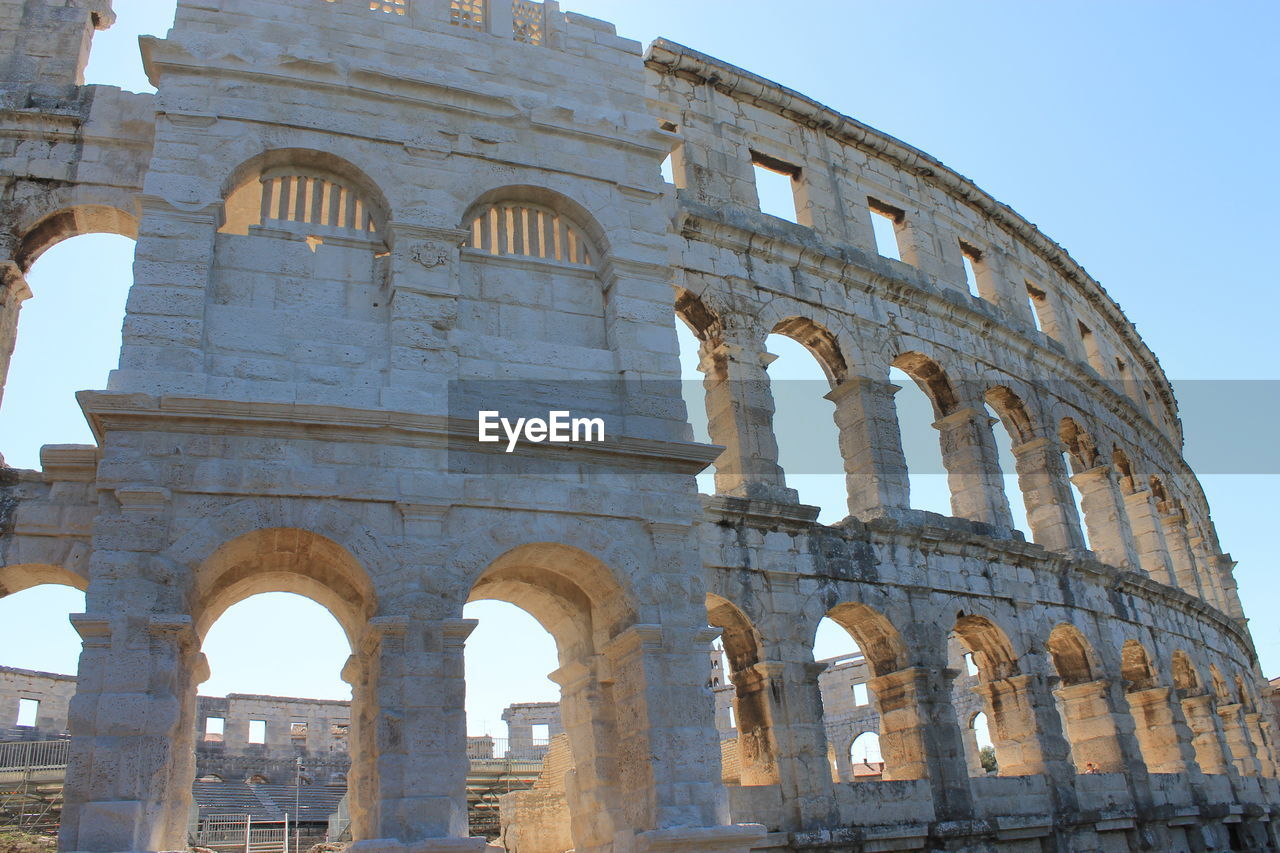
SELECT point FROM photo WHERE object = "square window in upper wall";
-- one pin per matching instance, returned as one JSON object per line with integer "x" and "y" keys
{"x": 213, "y": 729}
{"x": 860, "y": 695}
{"x": 1039, "y": 305}
{"x": 541, "y": 733}
{"x": 970, "y": 257}
{"x": 776, "y": 186}
{"x": 28, "y": 713}
{"x": 257, "y": 731}
{"x": 885, "y": 220}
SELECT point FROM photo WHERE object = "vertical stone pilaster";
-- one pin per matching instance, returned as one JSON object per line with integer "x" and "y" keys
{"x": 1181, "y": 558}
{"x": 1104, "y": 515}
{"x": 920, "y": 737}
{"x": 1091, "y": 726}
{"x": 740, "y": 417}
{"x": 871, "y": 446}
{"x": 1042, "y": 476}
{"x": 132, "y": 721}
{"x": 973, "y": 467}
{"x": 591, "y": 789}
{"x": 1207, "y": 572}
{"x": 1205, "y": 740}
{"x": 1239, "y": 742}
{"x": 1261, "y": 751}
{"x": 1227, "y": 584}
{"x": 420, "y": 729}
{"x": 1148, "y": 535}
{"x": 1163, "y": 736}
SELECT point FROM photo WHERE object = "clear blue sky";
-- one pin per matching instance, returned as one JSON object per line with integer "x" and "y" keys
{"x": 1140, "y": 135}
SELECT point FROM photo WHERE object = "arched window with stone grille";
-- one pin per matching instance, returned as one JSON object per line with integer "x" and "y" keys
{"x": 524, "y": 229}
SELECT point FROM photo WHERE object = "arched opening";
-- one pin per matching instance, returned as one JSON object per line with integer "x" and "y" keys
{"x": 1080, "y": 454}
{"x": 806, "y": 364}
{"x": 1200, "y": 711}
{"x": 981, "y": 649}
{"x": 694, "y": 327}
{"x": 576, "y": 599}
{"x": 287, "y": 673}
{"x": 983, "y": 760}
{"x": 748, "y": 750}
{"x": 865, "y": 759}
{"x": 867, "y": 686}
{"x": 1084, "y": 703}
{"x": 1159, "y": 738}
{"x": 512, "y": 707}
{"x": 78, "y": 290}
{"x": 39, "y": 651}
{"x": 925, "y": 396}
{"x": 1006, "y": 407}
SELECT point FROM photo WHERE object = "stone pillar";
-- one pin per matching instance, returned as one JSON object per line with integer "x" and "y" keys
{"x": 1181, "y": 558}
{"x": 1104, "y": 515}
{"x": 133, "y": 727}
{"x": 1042, "y": 476}
{"x": 591, "y": 787}
{"x": 755, "y": 717}
{"x": 13, "y": 292}
{"x": 1163, "y": 736}
{"x": 1227, "y": 584}
{"x": 920, "y": 737}
{"x": 1091, "y": 726}
{"x": 740, "y": 417}
{"x": 1204, "y": 734}
{"x": 1207, "y": 572}
{"x": 421, "y": 736}
{"x": 1261, "y": 752}
{"x": 1024, "y": 727}
{"x": 973, "y": 467}
{"x": 871, "y": 446}
{"x": 1239, "y": 742}
{"x": 669, "y": 769}
{"x": 1148, "y": 536}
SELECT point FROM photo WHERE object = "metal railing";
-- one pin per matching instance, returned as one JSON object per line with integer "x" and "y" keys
{"x": 504, "y": 749}
{"x": 34, "y": 755}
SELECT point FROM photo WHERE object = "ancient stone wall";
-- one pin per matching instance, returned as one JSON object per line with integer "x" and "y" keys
{"x": 361, "y": 224}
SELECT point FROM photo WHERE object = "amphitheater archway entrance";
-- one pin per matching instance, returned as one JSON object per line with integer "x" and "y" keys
{"x": 39, "y": 650}
{"x": 1084, "y": 703}
{"x": 576, "y": 598}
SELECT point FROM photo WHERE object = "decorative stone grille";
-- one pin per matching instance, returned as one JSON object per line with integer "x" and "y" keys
{"x": 468, "y": 13}
{"x": 314, "y": 201}
{"x": 529, "y": 231}
{"x": 529, "y": 21}
{"x": 396, "y": 7}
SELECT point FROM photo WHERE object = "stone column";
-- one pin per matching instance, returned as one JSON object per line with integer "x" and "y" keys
{"x": 1091, "y": 726}
{"x": 740, "y": 417}
{"x": 754, "y": 714}
{"x": 1104, "y": 515}
{"x": 920, "y": 737}
{"x": 1181, "y": 558}
{"x": 591, "y": 788}
{"x": 1239, "y": 742}
{"x": 1163, "y": 736}
{"x": 1261, "y": 752}
{"x": 13, "y": 292}
{"x": 420, "y": 732}
{"x": 1204, "y": 734}
{"x": 1207, "y": 572}
{"x": 1148, "y": 535}
{"x": 1227, "y": 585}
{"x": 871, "y": 446}
{"x": 133, "y": 727}
{"x": 1042, "y": 476}
{"x": 973, "y": 467}
{"x": 669, "y": 769}
{"x": 1024, "y": 727}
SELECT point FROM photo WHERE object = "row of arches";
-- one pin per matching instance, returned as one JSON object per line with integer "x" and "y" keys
{"x": 1065, "y": 471}
{"x": 1057, "y": 705}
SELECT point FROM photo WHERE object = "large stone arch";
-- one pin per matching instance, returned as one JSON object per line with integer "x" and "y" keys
{"x": 22, "y": 576}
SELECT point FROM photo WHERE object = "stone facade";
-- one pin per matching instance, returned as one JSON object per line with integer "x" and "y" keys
{"x": 359, "y": 224}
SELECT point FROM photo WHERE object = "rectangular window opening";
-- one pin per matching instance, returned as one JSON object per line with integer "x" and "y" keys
{"x": 776, "y": 182}
{"x": 1091, "y": 351}
{"x": 1039, "y": 305}
{"x": 541, "y": 733}
{"x": 298, "y": 730}
{"x": 733, "y": 722}
{"x": 885, "y": 221}
{"x": 28, "y": 713}
{"x": 861, "y": 696}
{"x": 257, "y": 731}
{"x": 970, "y": 667}
{"x": 339, "y": 730}
{"x": 970, "y": 256}
{"x": 668, "y": 170}
{"x": 214, "y": 728}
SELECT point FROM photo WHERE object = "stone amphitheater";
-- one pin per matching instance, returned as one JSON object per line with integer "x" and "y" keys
{"x": 360, "y": 223}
